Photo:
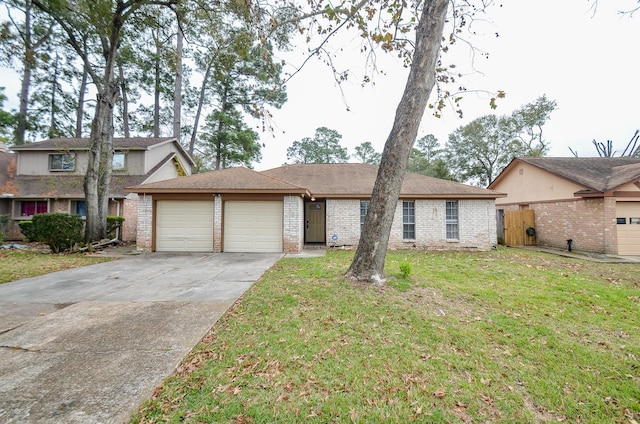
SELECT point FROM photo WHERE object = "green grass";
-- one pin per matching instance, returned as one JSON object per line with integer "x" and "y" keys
{"x": 502, "y": 337}
{"x": 17, "y": 264}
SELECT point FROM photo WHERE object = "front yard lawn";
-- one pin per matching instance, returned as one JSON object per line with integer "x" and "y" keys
{"x": 503, "y": 337}
{"x": 17, "y": 264}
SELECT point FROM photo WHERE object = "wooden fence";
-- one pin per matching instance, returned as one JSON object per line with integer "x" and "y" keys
{"x": 516, "y": 224}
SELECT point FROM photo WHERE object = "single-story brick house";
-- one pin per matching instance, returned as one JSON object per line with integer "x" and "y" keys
{"x": 283, "y": 209}
{"x": 594, "y": 202}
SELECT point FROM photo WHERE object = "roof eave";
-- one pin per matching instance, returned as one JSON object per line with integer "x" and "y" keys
{"x": 148, "y": 190}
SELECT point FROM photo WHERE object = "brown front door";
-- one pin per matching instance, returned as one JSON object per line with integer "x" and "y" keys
{"x": 314, "y": 222}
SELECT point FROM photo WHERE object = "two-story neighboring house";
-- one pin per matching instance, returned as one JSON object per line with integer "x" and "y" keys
{"x": 48, "y": 176}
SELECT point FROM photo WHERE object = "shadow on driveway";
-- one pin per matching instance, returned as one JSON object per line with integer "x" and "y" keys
{"x": 89, "y": 344}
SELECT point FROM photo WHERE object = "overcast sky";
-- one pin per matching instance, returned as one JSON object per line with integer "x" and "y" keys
{"x": 587, "y": 62}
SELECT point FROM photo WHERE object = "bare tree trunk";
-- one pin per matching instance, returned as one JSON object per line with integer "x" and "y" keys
{"x": 81, "y": 93}
{"x": 177, "y": 93}
{"x": 98, "y": 176}
{"x": 156, "y": 94}
{"x": 53, "y": 130}
{"x": 203, "y": 89}
{"x": 28, "y": 63}
{"x": 125, "y": 102}
{"x": 368, "y": 263}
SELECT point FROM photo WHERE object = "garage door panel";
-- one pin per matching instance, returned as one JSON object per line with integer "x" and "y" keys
{"x": 253, "y": 226}
{"x": 629, "y": 233}
{"x": 184, "y": 226}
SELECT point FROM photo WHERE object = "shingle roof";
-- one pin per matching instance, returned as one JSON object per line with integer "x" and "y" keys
{"x": 357, "y": 180}
{"x": 135, "y": 143}
{"x": 230, "y": 180}
{"x": 68, "y": 186}
{"x": 595, "y": 174}
{"x": 320, "y": 180}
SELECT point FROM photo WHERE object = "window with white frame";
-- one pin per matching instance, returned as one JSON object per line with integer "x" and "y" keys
{"x": 364, "y": 208}
{"x": 62, "y": 162}
{"x": 408, "y": 220}
{"x": 452, "y": 221}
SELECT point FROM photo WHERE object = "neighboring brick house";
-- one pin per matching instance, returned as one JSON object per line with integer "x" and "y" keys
{"x": 48, "y": 176}
{"x": 594, "y": 202}
{"x": 286, "y": 208}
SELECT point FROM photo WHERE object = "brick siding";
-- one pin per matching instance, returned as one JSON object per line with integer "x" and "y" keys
{"x": 145, "y": 223}
{"x": 476, "y": 224}
{"x": 589, "y": 223}
{"x": 129, "y": 229}
{"x": 293, "y": 224}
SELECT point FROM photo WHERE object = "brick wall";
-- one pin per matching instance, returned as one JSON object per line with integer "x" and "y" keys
{"x": 129, "y": 229}
{"x": 343, "y": 220}
{"x": 477, "y": 224}
{"x": 293, "y": 224}
{"x": 590, "y": 223}
{"x": 145, "y": 223}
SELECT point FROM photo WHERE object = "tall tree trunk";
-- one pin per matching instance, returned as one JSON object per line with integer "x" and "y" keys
{"x": 81, "y": 93}
{"x": 203, "y": 89}
{"x": 28, "y": 62}
{"x": 177, "y": 93}
{"x": 97, "y": 180}
{"x": 53, "y": 130}
{"x": 98, "y": 176}
{"x": 368, "y": 262}
{"x": 156, "y": 94}
{"x": 125, "y": 101}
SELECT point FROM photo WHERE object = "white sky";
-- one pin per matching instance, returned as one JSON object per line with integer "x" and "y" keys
{"x": 587, "y": 62}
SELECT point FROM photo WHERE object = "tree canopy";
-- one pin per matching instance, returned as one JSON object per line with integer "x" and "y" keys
{"x": 478, "y": 151}
{"x": 324, "y": 147}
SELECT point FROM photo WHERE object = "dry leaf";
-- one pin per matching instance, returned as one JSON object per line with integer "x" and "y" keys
{"x": 440, "y": 393}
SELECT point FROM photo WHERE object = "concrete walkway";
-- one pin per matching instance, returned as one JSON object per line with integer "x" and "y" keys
{"x": 88, "y": 345}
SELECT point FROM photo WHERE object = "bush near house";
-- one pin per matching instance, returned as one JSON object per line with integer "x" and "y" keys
{"x": 113, "y": 223}
{"x": 58, "y": 230}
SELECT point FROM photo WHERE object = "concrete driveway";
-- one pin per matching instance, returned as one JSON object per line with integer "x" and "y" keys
{"x": 88, "y": 345}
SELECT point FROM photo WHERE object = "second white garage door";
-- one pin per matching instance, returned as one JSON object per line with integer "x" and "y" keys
{"x": 184, "y": 226}
{"x": 252, "y": 226}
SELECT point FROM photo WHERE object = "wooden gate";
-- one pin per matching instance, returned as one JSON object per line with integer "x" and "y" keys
{"x": 515, "y": 228}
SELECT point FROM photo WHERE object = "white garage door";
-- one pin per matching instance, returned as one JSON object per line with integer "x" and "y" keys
{"x": 252, "y": 226}
{"x": 628, "y": 233}
{"x": 184, "y": 226}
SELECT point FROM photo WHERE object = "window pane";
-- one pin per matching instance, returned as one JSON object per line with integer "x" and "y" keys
{"x": 118, "y": 161}
{"x": 81, "y": 208}
{"x": 32, "y": 207}
{"x": 452, "y": 220}
{"x": 61, "y": 162}
{"x": 408, "y": 220}
{"x": 364, "y": 208}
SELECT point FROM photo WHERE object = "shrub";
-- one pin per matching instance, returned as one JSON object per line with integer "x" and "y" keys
{"x": 113, "y": 223}
{"x": 58, "y": 230}
{"x": 4, "y": 220}
{"x": 405, "y": 269}
{"x": 26, "y": 228}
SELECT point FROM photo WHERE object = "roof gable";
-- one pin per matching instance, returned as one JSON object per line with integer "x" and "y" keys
{"x": 600, "y": 175}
